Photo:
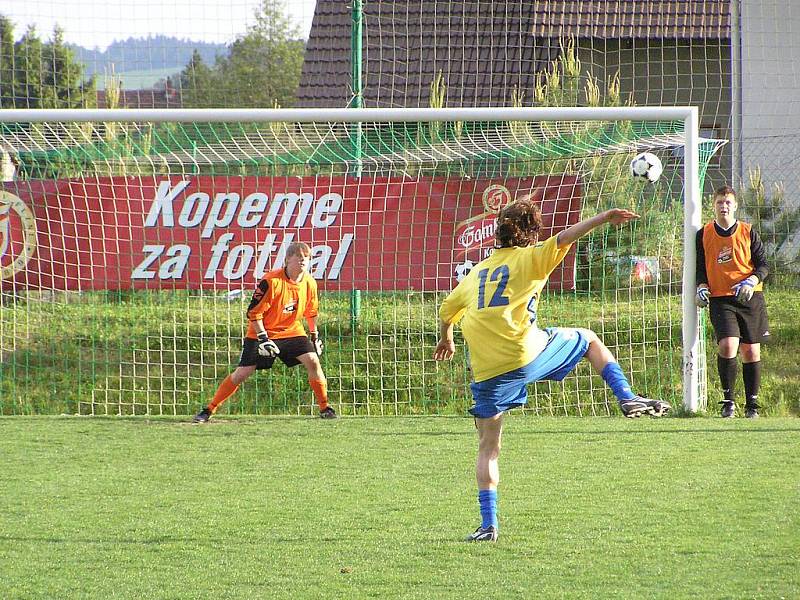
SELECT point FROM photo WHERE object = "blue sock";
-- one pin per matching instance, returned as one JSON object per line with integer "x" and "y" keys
{"x": 613, "y": 376}
{"x": 488, "y": 501}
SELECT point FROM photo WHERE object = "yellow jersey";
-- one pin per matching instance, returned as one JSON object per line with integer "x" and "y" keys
{"x": 497, "y": 306}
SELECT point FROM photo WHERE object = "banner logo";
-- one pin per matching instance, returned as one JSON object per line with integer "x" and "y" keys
{"x": 474, "y": 237}
{"x": 495, "y": 197}
{"x": 725, "y": 255}
{"x": 558, "y": 198}
{"x": 17, "y": 235}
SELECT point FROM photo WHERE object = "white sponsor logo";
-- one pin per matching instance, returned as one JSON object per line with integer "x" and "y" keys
{"x": 172, "y": 208}
{"x": 254, "y": 210}
{"x": 473, "y": 235}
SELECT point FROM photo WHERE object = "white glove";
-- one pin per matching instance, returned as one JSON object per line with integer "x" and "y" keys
{"x": 266, "y": 347}
{"x": 702, "y": 297}
{"x": 744, "y": 289}
{"x": 314, "y": 338}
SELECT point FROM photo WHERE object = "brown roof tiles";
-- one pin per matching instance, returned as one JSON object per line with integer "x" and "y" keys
{"x": 484, "y": 50}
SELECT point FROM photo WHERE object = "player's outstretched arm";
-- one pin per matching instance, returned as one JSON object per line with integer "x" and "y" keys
{"x": 446, "y": 347}
{"x": 615, "y": 216}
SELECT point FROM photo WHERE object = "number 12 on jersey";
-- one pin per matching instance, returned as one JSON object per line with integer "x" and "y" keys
{"x": 500, "y": 274}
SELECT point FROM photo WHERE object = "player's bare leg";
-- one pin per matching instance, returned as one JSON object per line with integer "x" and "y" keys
{"x": 487, "y": 474}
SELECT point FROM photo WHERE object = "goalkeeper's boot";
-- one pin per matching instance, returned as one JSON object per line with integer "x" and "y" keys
{"x": 203, "y": 416}
{"x": 751, "y": 411}
{"x": 483, "y": 534}
{"x": 328, "y": 413}
{"x": 638, "y": 406}
{"x": 728, "y": 410}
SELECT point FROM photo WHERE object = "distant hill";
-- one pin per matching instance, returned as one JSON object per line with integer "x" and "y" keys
{"x": 160, "y": 55}
{"x": 144, "y": 79}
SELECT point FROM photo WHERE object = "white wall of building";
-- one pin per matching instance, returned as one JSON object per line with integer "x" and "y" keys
{"x": 770, "y": 75}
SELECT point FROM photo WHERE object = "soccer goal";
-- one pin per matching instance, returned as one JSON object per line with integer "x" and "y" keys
{"x": 131, "y": 241}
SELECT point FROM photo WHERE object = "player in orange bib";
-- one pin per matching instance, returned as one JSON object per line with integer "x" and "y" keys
{"x": 282, "y": 299}
{"x": 731, "y": 266}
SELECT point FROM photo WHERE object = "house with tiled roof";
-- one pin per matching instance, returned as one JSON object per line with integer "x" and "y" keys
{"x": 485, "y": 50}
{"x": 163, "y": 97}
{"x": 667, "y": 52}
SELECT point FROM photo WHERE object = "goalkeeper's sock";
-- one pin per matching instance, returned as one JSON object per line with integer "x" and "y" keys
{"x": 617, "y": 381}
{"x": 320, "y": 388}
{"x": 225, "y": 390}
{"x": 751, "y": 373}
{"x": 727, "y": 368}
{"x": 488, "y": 502}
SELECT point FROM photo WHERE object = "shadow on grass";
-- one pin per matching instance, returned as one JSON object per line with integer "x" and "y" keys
{"x": 572, "y": 432}
{"x": 235, "y": 426}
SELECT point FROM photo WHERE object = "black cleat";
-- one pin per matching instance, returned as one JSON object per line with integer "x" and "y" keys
{"x": 632, "y": 408}
{"x": 483, "y": 534}
{"x": 728, "y": 410}
{"x": 657, "y": 408}
{"x": 328, "y": 413}
{"x": 638, "y": 406}
{"x": 751, "y": 412}
{"x": 202, "y": 417}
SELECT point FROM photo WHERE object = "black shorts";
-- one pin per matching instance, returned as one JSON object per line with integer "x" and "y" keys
{"x": 732, "y": 318}
{"x": 290, "y": 349}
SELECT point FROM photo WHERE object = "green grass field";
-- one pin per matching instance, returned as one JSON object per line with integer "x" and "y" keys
{"x": 164, "y": 353}
{"x": 377, "y": 508}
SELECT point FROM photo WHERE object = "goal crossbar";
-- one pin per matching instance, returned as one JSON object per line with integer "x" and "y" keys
{"x": 348, "y": 115}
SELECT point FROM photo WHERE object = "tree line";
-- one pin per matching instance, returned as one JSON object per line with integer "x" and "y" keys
{"x": 153, "y": 52}
{"x": 261, "y": 69}
{"x": 39, "y": 74}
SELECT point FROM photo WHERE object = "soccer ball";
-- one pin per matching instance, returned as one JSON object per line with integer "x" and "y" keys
{"x": 646, "y": 165}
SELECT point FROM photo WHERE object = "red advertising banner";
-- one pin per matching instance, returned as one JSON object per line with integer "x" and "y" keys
{"x": 179, "y": 232}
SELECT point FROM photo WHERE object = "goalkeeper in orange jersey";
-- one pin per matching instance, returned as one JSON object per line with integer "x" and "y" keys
{"x": 731, "y": 266}
{"x": 497, "y": 305}
{"x": 282, "y": 298}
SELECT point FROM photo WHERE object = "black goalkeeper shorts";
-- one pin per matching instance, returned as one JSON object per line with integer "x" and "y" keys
{"x": 746, "y": 321}
{"x": 290, "y": 349}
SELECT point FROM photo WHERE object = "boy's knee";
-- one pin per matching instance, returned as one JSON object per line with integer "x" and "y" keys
{"x": 311, "y": 361}
{"x": 241, "y": 374}
{"x": 490, "y": 449}
{"x": 589, "y": 335}
{"x": 728, "y": 347}
{"x": 750, "y": 352}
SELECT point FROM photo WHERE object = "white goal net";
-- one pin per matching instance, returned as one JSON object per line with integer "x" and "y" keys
{"x": 132, "y": 242}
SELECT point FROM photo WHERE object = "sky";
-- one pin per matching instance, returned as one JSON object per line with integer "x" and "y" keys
{"x": 97, "y": 23}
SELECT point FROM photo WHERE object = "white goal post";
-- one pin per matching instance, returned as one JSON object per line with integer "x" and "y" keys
{"x": 692, "y": 359}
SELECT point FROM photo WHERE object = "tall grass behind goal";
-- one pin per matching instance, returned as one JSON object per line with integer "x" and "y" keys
{"x": 132, "y": 241}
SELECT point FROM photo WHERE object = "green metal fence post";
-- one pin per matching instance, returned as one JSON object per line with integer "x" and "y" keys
{"x": 357, "y": 100}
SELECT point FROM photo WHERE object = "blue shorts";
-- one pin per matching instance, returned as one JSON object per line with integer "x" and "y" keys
{"x": 565, "y": 348}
